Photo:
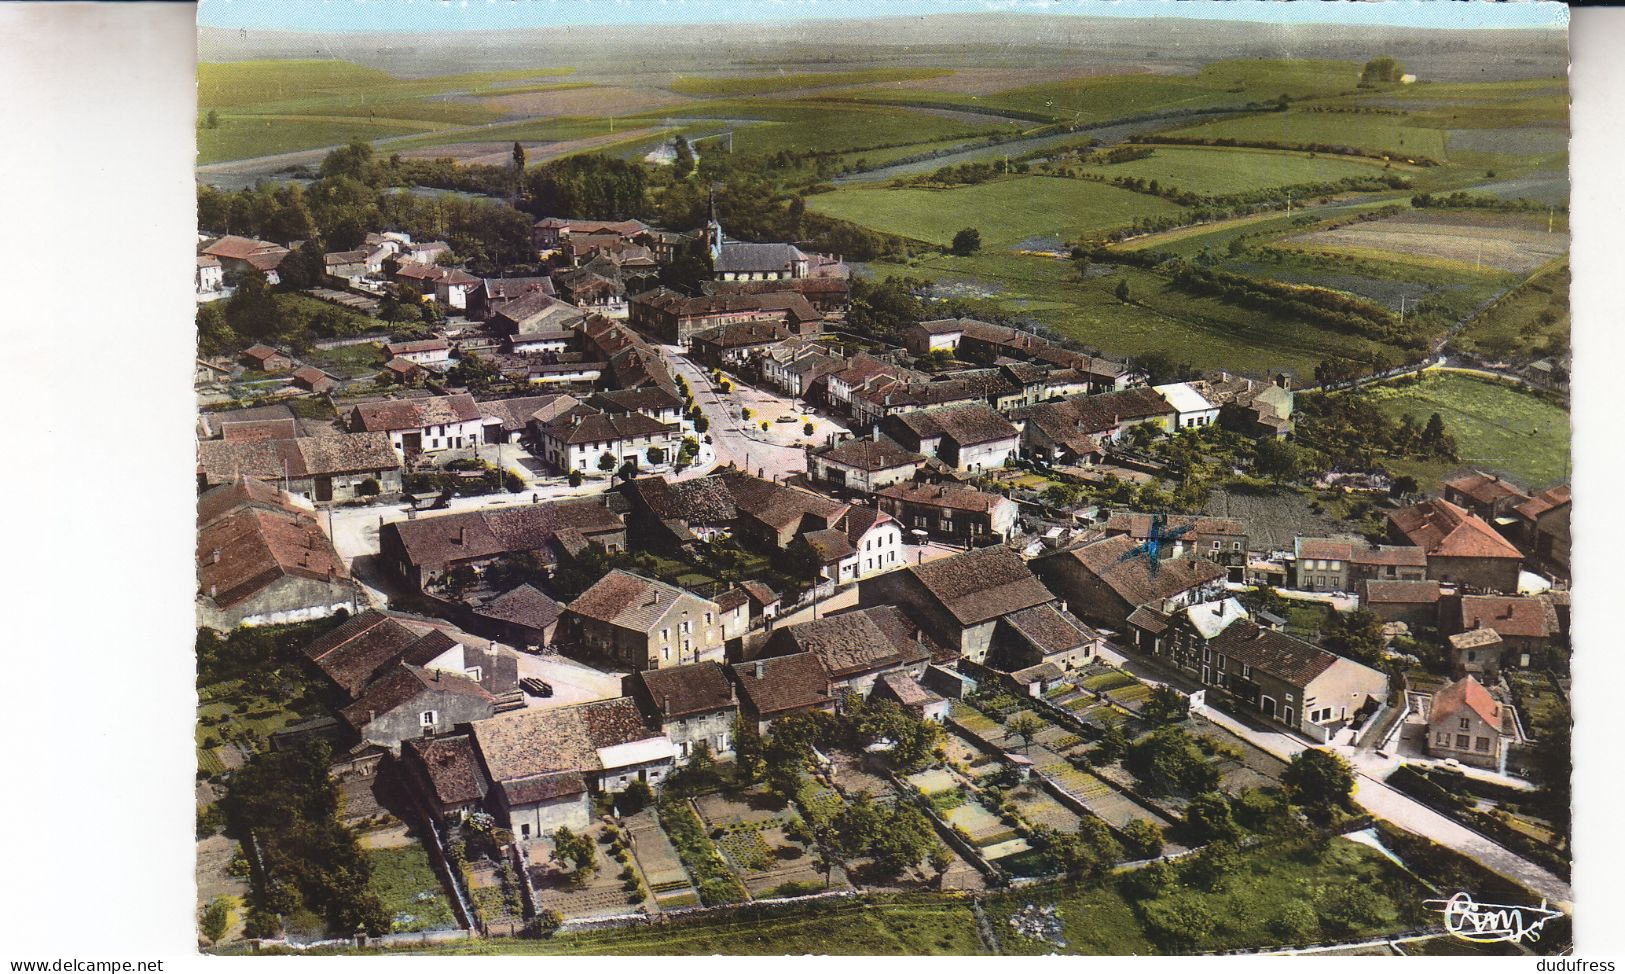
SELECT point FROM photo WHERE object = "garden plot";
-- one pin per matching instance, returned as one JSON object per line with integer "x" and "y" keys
{"x": 663, "y": 873}
{"x": 986, "y": 830}
{"x": 405, "y": 882}
{"x": 853, "y": 778}
{"x": 1512, "y": 242}
{"x": 1241, "y": 765}
{"x": 750, "y": 831}
{"x": 1039, "y": 808}
{"x": 495, "y": 891}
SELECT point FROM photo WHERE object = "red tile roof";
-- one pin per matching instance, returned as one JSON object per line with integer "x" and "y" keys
{"x": 1466, "y": 693}
{"x": 1446, "y": 530}
{"x": 1510, "y": 615}
{"x": 1546, "y": 500}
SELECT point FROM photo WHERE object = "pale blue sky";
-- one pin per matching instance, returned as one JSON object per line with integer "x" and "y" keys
{"x": 439, "y": 15}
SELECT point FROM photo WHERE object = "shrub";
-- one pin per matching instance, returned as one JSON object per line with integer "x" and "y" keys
{"x": 369, "y": 487}
{"x": 214, "y": 919}
{"x": 1294, "y": 921}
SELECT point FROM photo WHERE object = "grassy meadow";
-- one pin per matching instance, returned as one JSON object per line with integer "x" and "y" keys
{"x": 1005, "y": 211}
{"x": 1498, "y": 428}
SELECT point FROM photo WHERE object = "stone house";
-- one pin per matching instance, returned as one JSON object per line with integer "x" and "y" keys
{"x": 1487, "y": 496}
{"x": 321, "y": 469}
{"x": 1251, "y": 669}
{"x": 906, "y": 691}
{"x": 1460, "y": 547}
{"x": 427, "y": 425}
{"x": 412, "y": 701}
{"x": 1415, "y": 603}
{"x": 445, "y": 773}
{"x": 264, "y": 358}
{"x": 422, "y": 551}
{"x": 1468, "y": 724}
{"x": 1105, "y": 581}
{"x": 428, "y": 351}
{"x": 1191, "y": 409}
{"x": 642, "y": 624}
{"x": 1044, "y": 634}
{"x": 521, "y": 616}
{"x": 581, "y": 439}
{"x": 544, "y": 763}
{"x": 862, "y": 465}
{"x": 855, "y": 647}
{"x": 691, "y": 704}
{"x": 1526, "y": 625}
{"x": 778, "y": 686}
{"x": 1542, "y": 529}
{"x": 950, "y": 512}
{"x": 675, "y": 319}
{"x": 970, "y": 438}
{"x": 960, "y": 600}
{"x": 263, "y": 559}
{"x": 1074, "y": 430}
{"x": 1221, "y": 540}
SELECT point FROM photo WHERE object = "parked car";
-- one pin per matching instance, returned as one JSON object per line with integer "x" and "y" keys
{"x": 535, "y": 687}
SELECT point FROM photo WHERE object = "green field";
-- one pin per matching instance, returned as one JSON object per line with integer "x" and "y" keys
{"x": 1095, "y": 919}
{"x": 1005, "y": 211}
{"x": 1103, "y": 921}
{"x": 1374, "y": 133}
{"x": 1202, "y": 331}
{"x": 406, "y": 883}
{"x": 240, "y": 85}
{"x": 1498, "y": 429}
{"x": 822, "y": 126}
{"x": 1214, "y": 171}
{"x": 1097, "y": 99}
{"x": 246, "y": 136}
{"x": 745, "y": 85}
{"x": 1527, "y": 323}
{"x": 918, "y": 926}
{"x": 268, "y": 107}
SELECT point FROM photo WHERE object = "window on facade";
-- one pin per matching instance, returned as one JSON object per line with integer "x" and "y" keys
{"x": 1462, "y": 742}
{"x": 1462, "y": 723}
{"x": 665, "y": 635}
{"x": 427, "y": 718}
{"x": 1246, "y": 672}
{"x": 1442, "y": 739}
{"x": 1481, "y": 744}
{"x": 1207, "y": 654}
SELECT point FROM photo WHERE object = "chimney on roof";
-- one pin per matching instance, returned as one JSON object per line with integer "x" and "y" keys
{"x": 1506, "y": 613}
{"x": 461, "y": 534}
{"x": 214, "y": 557}
{"x": 1478, "y": 622}
{"x": 213, "y": 590}
{"x": 759, "y": 669}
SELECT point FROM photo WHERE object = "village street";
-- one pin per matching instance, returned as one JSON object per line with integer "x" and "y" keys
{"x": 751, "y": 452}
{"x": 1371, "y": 793}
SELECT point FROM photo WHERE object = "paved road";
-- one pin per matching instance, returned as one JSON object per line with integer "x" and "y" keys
{"x": 732, "y": 443}
{"x": 1374, "y": 795}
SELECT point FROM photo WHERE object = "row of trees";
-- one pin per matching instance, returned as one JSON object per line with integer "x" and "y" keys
{"x": 312, "y": 871}
{"x": 1347, "y": 431}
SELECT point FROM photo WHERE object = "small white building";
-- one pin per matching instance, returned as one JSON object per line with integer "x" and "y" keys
{"x": 1192, "y": 408}
{"x": 211, "y": 277}
{"x": 429, "y": 351}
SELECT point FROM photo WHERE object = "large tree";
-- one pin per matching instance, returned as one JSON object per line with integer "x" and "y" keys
{"x": 1318, "y": 781}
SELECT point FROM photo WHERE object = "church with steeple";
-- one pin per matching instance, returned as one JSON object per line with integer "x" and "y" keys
{"x": 736, "y": 260}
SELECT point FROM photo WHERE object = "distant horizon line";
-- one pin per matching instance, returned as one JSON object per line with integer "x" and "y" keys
{"x": 355, "y": 18}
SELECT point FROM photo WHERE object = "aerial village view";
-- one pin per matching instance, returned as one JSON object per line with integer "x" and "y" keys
{"x": 1012, "y": 482}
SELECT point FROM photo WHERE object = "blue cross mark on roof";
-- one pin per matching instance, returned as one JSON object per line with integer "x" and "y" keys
{"x": 1152, "y": 546}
